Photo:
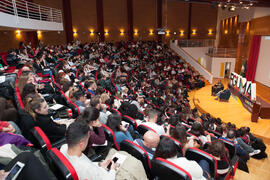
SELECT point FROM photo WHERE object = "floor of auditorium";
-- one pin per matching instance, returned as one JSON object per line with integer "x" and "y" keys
{"x": 234, "y": 112}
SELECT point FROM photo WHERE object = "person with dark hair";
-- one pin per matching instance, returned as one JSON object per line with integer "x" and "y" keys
{"x": 80, "y": 100}
{"x": 197, "y": 130}
{"x": 96, "y": 103}
{"x": 121, "y": 133}
{"x": 90, "y": 86}
{"x": 77, "y": 139}
{"x": 217, "y": 149}
{"x": 28, "y": 89}
{"x": 91, "y": 117}
{"x": 152, "y": 118}
{"x": 179, "y": 133}
{"x": 167, "y": 149}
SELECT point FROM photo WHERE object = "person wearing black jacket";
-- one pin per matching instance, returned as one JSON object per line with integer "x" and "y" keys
{"x": 39, "y": 110}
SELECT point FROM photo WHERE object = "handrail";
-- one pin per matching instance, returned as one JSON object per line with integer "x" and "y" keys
{"x": 222, "y": 52}
{"x": 197, "y": 43}
{"x": 29, "y": 10}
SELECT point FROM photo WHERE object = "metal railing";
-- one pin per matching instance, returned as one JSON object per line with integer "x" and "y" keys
{"x": 21, "y": 8}
{"x": 222, "y": 52}
{"x": 197, "y": 43}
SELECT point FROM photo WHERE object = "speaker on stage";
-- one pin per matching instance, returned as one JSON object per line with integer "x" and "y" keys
{"x": 255, "y": 111}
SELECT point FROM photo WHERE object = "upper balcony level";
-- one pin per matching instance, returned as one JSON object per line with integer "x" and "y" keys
{"x": 21, "y": 14}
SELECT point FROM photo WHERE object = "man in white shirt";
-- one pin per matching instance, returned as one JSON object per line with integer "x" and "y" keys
{"x": 77, "y": 137}
{"x": 151, "y": 122}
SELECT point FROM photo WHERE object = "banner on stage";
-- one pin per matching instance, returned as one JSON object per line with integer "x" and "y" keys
{"x": 246, "y": 88}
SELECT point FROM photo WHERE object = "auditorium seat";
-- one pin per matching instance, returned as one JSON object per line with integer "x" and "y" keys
{"x": 142, "y": 129}
{"x": 110, "y": 136}
{"x": 42, "y": 142}
{"x": 130, "y": 120}
{"x": 139, "y": 153}
{"x": 60, "y": 165}
{"x": 197, "y": 155}
{"x": 163, "y": 169}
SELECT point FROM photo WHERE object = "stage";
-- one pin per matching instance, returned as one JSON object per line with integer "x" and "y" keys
{"x": 231, "y": 111}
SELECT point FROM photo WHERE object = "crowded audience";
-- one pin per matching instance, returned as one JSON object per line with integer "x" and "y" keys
{"x": 86, "y": 93}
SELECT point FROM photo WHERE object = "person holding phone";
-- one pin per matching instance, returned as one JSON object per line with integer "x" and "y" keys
{"x": 77, "y": 137}
{"x": 120, "y": 131}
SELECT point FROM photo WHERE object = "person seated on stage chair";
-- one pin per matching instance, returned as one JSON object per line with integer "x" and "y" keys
{"x": 225, "y": 91}
{"x": 149, "y": 143}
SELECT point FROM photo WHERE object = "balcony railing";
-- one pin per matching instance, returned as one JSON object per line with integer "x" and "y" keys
{"x": 197, "y": 43}
{"x": 222, "y": 52}
{"x": 24, "y": 9}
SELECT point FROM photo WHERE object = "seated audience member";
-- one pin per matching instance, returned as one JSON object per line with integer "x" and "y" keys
{"x": 197, "y": 130}
{"x": 168, "y": 150}
{"x": 33, "y": 169}
{"x": 96, "y": 103}
{"x": 39, "y": 110}
{"x": 80, "y": 100}
{"x": 29, "y": 88}
{"x": 179, "y": 133}
{"x": 149, "y": 143}
{"x": 121, "y": 133}
{"x": 241, "y": 145}
{"x": 77, "y": 139}
{"x": 8, "y": 111}
{"x": 152, "y": 122}
{"x": 91, "y": 117}
{"x": 217, "y": 149}
{"x": 90, "y": 86}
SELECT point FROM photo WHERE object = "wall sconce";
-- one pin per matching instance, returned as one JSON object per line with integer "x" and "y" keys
{"x": 151, "y": 32}
{"x": 75, "y": 34}
{"x": 226, "y": 31}
{"x": 106, "y": 32}
{"x": 122, "y": 32}
{"x": 39, "y": 34}
{"x": 210, "y": 32}
{"x": 181, "y": 32}
{"x": 135, "y": 32}
{"x": 92, "y": 32}
{"x": 167, "y": 33}
{"x": 194, "y": 32}
{"x": 18, "y": 34}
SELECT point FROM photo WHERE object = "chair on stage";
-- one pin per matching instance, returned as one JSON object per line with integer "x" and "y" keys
{"x": 225, "y": 96}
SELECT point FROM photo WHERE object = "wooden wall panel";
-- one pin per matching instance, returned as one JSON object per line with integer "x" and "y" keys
{"x": 177, "y": 19}
{"x": 115, "y": 18}
{"x": 8, "y": 40}
{"x": 203, "y": 17}
{"x": 84, "y": 19}
{"x": 144, "y": 18}
{"x": 52, "y": 37}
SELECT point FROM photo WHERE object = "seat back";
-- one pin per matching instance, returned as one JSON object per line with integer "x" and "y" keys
{"x": 110, "y": 136}
{"x": 113, "y": 110}
{"x": 197, "y": 155}
{"x": 177, "y": 143}
{"x": 139, "y": 153}
{"x": 230, "y": 146}
{"x": 41, "y": 141}
{"x": 142, "y": 129}
{"x": 164, "y": 169}
{"x": 60, "y": 165}
{"x": 130, "y": 120}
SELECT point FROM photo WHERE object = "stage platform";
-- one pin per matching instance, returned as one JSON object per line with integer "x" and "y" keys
{"x": 231, "y": 111}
